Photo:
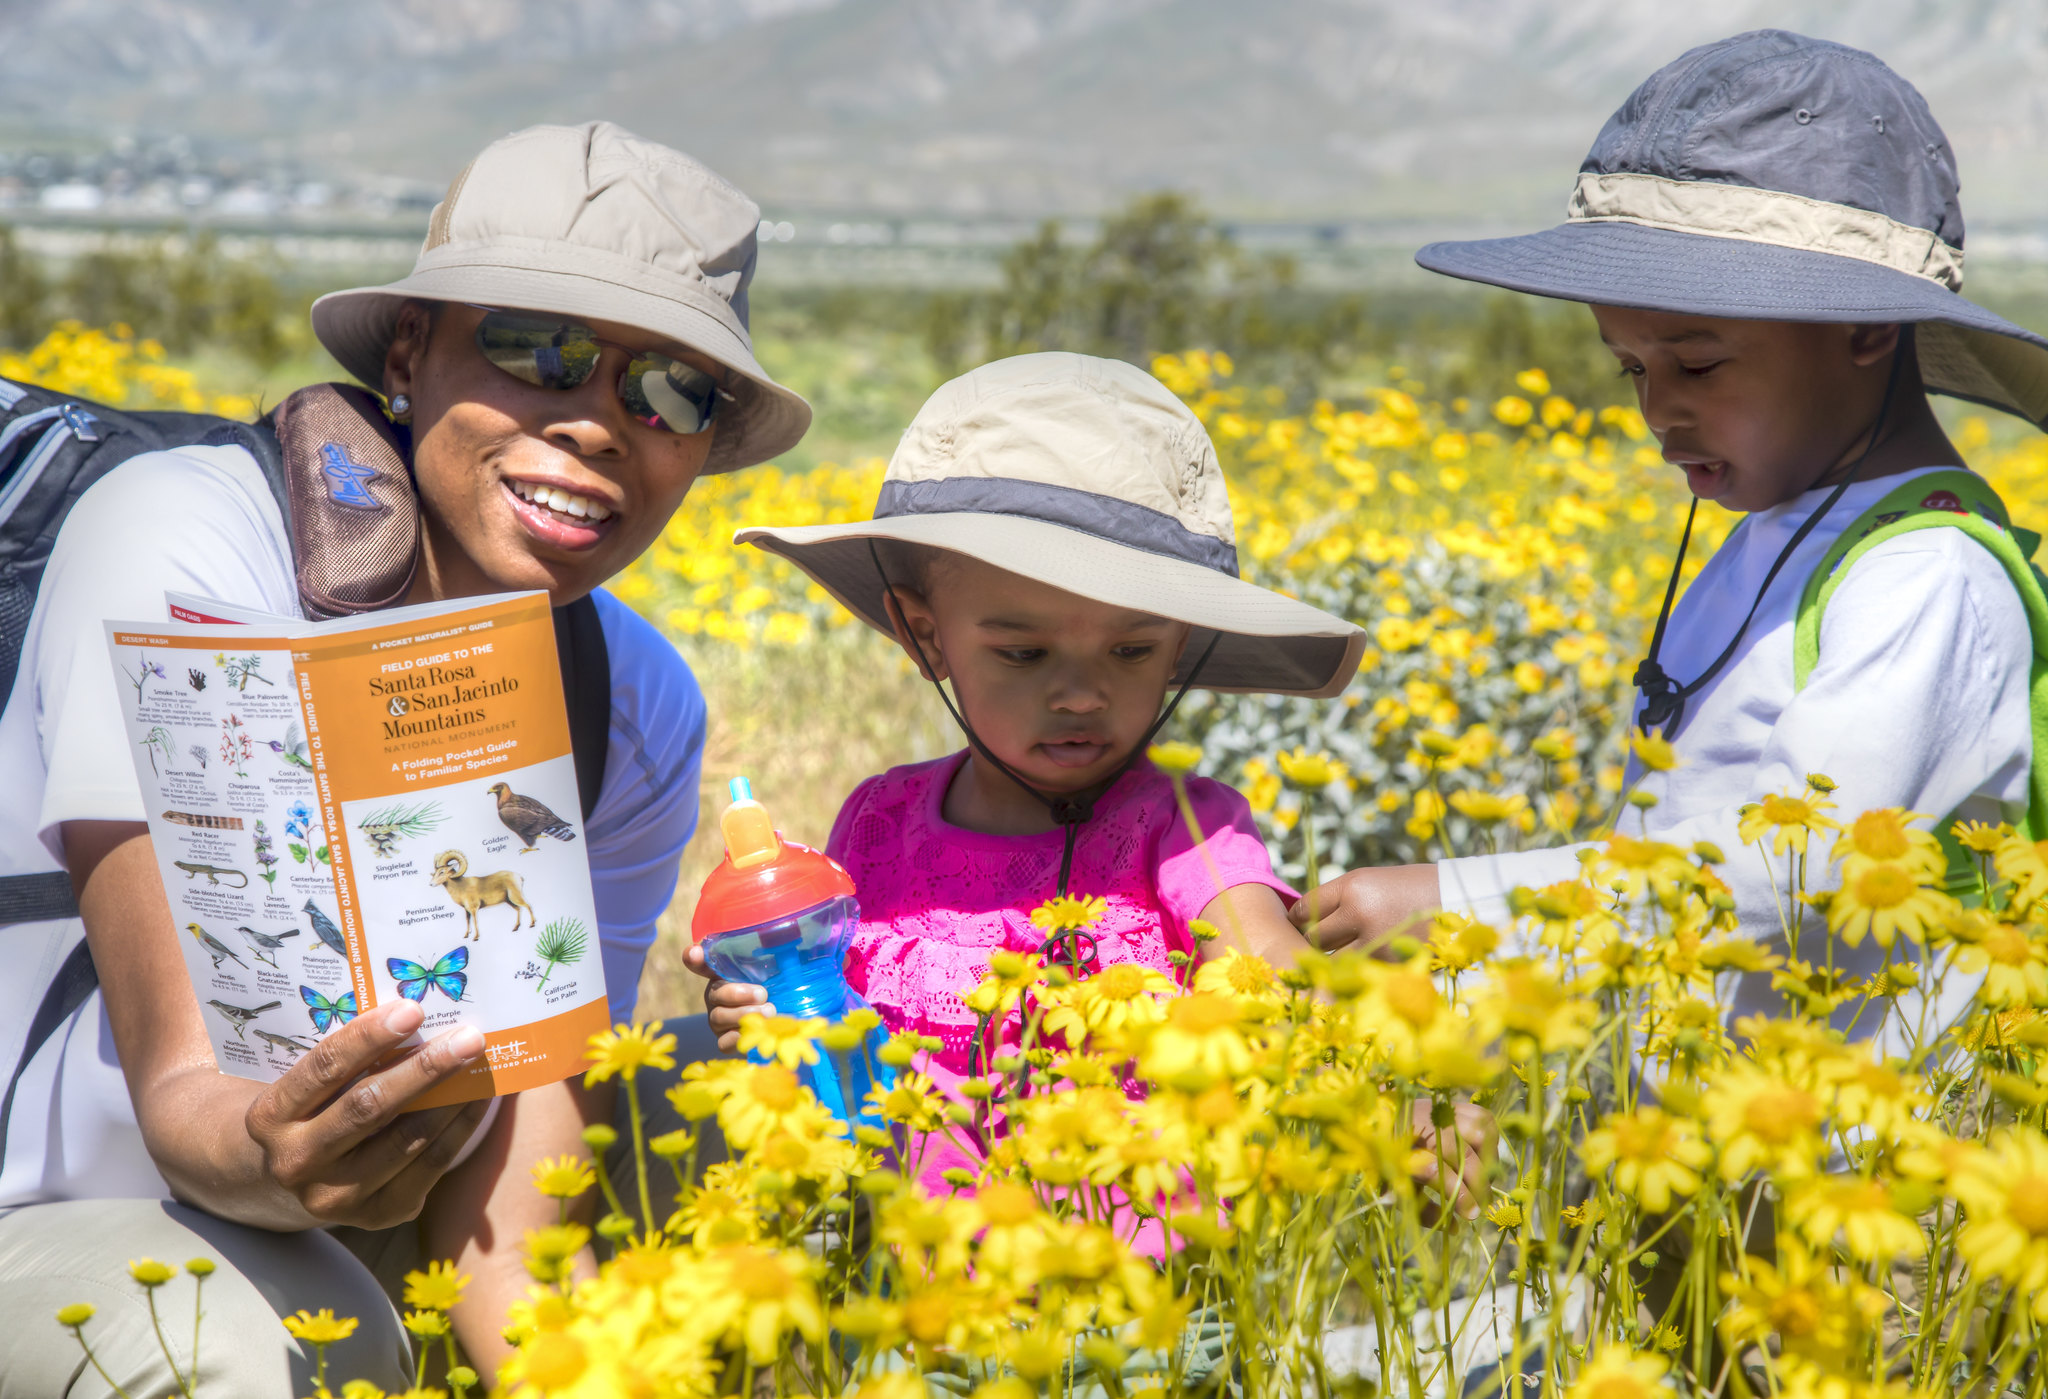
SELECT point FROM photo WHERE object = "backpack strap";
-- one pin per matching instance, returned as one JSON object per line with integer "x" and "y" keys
{"x": 587, "y": 687}
{"x": 76, "y": 979}
{"x": 1946, "y": 500}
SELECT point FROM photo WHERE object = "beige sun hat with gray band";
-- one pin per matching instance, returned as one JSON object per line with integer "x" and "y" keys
{"x": 1087, "y": 474}
{"x": 592, "y": 221}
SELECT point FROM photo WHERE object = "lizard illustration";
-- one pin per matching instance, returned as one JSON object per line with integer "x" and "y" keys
{"x": 212, "y": 873}
{"x": 289, "y": 1045}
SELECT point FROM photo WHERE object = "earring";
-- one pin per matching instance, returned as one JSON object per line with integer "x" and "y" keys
{"x": 401, "y": 408}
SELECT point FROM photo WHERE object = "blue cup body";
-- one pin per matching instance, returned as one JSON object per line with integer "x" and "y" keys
{"x": 801, "y": 961}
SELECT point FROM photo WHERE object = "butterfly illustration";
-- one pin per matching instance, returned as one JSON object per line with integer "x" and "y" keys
{"x": 446, "y": 976}
{"x": 340, "y": 1010}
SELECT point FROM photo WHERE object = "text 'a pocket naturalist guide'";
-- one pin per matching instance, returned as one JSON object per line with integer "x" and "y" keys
{"x": 350, "y": 811}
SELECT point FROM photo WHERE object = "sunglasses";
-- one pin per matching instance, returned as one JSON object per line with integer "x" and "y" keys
{"x": 548, "y": 353}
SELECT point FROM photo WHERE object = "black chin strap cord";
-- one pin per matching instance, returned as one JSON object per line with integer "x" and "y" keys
{"x": 1069, "y": 811}
{"x": 1664, "y": 699}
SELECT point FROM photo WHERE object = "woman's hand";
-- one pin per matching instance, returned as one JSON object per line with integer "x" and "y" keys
{"x": 334, "y": 1130}
{"x": 333, "y": 1141}
{"x": 1368, "y": 907}
{"x": 726, "y": 1003}
{"x": 1469, "y": 1146}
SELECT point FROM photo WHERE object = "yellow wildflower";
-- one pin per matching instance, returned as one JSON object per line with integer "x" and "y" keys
{"x": 563, "y": 1177}
{"x": 1310, "y": 771}
{"x": 784, "y": 1039}
{"x": 1619, "y": 1372}
{"x": 1062, "y": 913}
{"x": 1883, "y": 898}
{"x": 439, "y": 1287}
{"x": 1653, "y": 750}
{"x": 1201, "y": 1039}
{"x": 1788, "y": 820}
{"x": 1980, "y": 837}
{"x": 1487, "y": 808}
{"x": 2025, "y": 864}
{"x": 1654, "y": 1155}
{"x": 1175, "y": 759}
{"x": 1862, "y": 1211}
{"x": 624, "y": 1050}
{"x": 1761, "y": 1121}
{"x": 321, "y": 1328}
{"x": 1885, "y": 835}
{"x": 2004, "y": 1193}
{"x": 149, "y": 1272}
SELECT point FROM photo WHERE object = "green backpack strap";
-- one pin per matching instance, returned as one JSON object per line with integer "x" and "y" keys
{"x": 1953, "y": 499}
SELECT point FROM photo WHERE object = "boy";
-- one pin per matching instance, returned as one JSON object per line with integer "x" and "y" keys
{"x": 1769, "y": 238}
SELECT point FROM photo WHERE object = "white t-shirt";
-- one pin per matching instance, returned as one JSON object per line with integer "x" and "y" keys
{"x": 1918, "y": 700}
{"x": 202, "y": 520}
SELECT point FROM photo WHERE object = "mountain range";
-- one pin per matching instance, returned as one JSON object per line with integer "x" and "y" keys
{"x": 1469, "y": 113}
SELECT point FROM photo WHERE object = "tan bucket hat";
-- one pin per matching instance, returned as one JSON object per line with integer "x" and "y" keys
{"x": 1090, "y": 475}
{"x": 592, "y": 221}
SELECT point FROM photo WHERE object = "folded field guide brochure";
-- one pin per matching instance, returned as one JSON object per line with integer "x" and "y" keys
{"x": 350, "y": 811}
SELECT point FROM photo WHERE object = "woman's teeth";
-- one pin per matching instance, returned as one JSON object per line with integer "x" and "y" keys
{"x": 560, "y": 501}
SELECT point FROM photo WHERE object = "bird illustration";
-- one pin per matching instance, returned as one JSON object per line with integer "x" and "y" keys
{"x": 324, "y": 929}
{"x": 240, "y": 1016}
{"x": 528, "y": 819}
{"x": 293, "y": 749}
{"x": 215, "y": 948}
{"x": 266, "y": 943}
{"x": 291, "y": 1046}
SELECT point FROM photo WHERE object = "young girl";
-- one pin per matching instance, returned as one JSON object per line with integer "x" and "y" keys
{"x": 1054, "y": 538}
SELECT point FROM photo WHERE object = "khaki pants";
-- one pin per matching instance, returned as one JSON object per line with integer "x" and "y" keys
{"x": 78, "y": 1251}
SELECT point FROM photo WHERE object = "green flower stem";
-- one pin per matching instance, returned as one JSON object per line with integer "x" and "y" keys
{"x": 78, "y": 1332}
{"x": 156, "y": 1323}
{"x": 1201, "y": 840}
{"x": 640, "y": 1157}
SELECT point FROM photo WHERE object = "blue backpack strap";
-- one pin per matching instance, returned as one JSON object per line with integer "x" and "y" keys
{"x": 1961, "y": 500}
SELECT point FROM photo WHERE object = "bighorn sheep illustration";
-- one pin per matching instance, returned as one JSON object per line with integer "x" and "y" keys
{"x": 473, "y": 892}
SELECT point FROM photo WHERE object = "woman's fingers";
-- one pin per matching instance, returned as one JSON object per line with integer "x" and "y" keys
{"x": 337, "y": 1131}
{"x": 331, "y": 1065}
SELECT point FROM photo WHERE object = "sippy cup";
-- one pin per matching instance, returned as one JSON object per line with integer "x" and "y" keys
{"x": 780, "y": 915}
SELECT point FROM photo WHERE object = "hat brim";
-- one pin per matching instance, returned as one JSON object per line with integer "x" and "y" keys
{"x": 1965, "y": 351}
{"x": 763, "y": 421}
{"x": 1267, "y": 643}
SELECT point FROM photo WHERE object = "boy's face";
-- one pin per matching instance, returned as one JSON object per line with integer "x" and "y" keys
{"x": 1060, "y": 687}
{"x": 1754, "y": 412}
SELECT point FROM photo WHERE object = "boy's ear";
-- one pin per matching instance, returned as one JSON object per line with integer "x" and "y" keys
{"x": 917, "y": 632}
{"x": 1870, "y": 344}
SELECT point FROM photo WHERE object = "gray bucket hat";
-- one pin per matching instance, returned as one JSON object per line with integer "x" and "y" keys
{"x": 592, "y": 221}
{"x": 1775, "y": 177}
{"x": 1090, "y": 475}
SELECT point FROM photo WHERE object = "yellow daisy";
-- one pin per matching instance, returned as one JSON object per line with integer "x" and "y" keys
{"x": 1619, "y": 1372}
{"x": 1883, "y": 898}
{"x": 1654, "y": 1155}
{"x": 2004, "y": 1193}
{"x": 1788, "y": 820}
{"x": 1862, "y": 1211}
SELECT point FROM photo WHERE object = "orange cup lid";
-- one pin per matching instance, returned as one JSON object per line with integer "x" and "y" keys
{"x": 796, "y": 879}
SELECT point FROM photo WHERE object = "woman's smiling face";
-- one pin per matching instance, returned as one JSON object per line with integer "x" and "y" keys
{"x": 524, "y": 487}
{"x": 1754, "y": 412}
{"x": 1060, "y": 687}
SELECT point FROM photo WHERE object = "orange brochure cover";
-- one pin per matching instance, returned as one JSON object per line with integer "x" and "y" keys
{"x": 379, "y": 806}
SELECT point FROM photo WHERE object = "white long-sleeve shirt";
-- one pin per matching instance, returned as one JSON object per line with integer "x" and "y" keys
{"x": 1919, "y": 700}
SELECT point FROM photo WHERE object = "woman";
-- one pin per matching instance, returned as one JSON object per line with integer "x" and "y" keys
{"x": 571, "y": 353}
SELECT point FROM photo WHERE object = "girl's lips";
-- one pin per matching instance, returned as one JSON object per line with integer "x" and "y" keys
{"x": 552, "y": 527}
{"x": 1074, "y": 755}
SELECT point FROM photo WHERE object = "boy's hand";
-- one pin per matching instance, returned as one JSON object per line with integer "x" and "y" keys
{"x": 1368, "y": 907}
{"x": 1469, "y": 1146}
{"x": 726, "y": 1003}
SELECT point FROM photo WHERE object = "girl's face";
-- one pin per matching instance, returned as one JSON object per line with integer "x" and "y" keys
{"x": 1061, "y": 688}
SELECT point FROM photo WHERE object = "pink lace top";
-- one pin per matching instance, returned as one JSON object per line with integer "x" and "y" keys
{"x": 937, "y": 899}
